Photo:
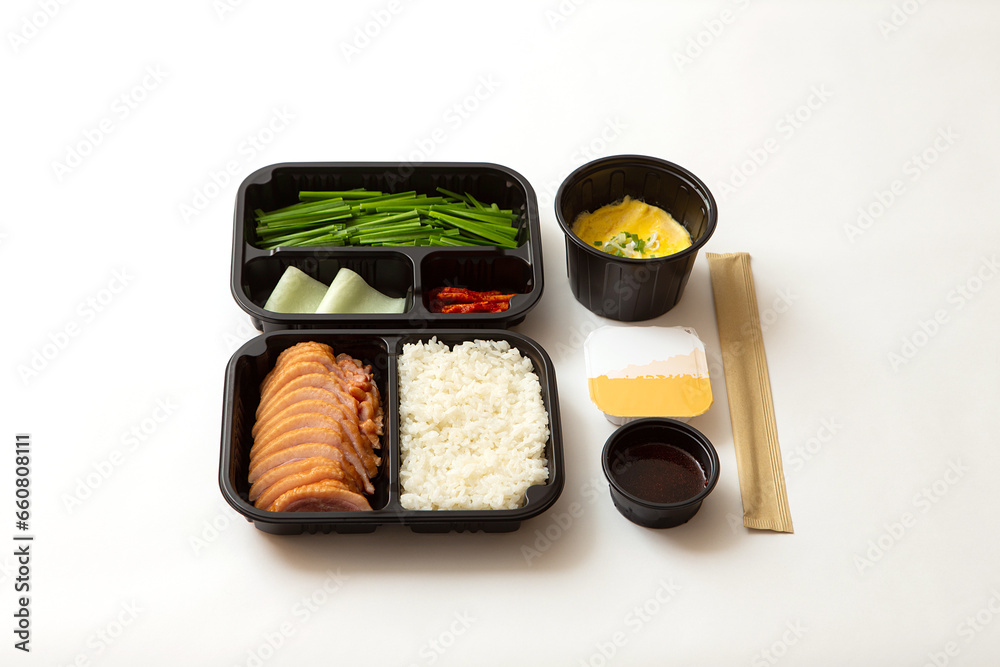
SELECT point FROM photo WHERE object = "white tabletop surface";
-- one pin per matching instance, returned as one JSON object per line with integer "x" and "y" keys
{"x": 852, "y": 148}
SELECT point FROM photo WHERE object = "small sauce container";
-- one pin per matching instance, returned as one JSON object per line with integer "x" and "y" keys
{"x": 659, "y": 471}
{"x": 635, "y": 372}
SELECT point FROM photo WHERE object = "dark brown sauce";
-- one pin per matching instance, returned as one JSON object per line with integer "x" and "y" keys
{"x": 659, "y": 473}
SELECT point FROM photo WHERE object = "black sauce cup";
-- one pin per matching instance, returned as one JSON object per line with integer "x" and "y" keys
{"x": 621, "y": 288}
{"x": 643, "y": 511}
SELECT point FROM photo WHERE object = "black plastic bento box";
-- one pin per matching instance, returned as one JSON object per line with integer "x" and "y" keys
{"x": 407, "y": 272}
{"x": 380, "y": 349}
{"x": 377, "y": 339}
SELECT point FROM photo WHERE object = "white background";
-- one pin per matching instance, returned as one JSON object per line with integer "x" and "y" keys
{"x": 880, "y": 336}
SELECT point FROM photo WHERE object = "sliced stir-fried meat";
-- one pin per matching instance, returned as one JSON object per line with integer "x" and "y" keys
{"x": 314, "y": 474}
{"x": 303, "y": 348}
{"x": 325, "y": 496}
{"x": 305, "y": 451}
{"x": 321, "y": 381}
{"x": 333, "y": 409}
{"x": 359, "y": 376}
{"x": 321, "y": 356}
{"x": 318, "y": 423}
{"x": 324, "y": 436}
{"x": 294, "y": 370}
{"x": 276, "y": 474}
{"x": 313, "y": 420}
{"x": 308, "y": 356}
{"x": 293, "y": 395}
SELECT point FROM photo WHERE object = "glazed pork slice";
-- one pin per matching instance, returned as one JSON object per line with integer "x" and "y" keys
{"x": 314, "y": 474}
{"x": 327, "y": 434}
{"x": 324, "y": 496}
{"x": 277, "y": 399}
{"x": 278, "y": 473}
{"x": 304, "y": 347}
{"x": 314, "y": 420}
{"x": 317, "y": 354}
{"x": 263, "y": 466}
{"x": 277, "y": 452}
{"x": 331, "y": 408}
{"x": 279, "y": 404}
{"x": 300, "y": 368}
{"x": 363, "y": 409}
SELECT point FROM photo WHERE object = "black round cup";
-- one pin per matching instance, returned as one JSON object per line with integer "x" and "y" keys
{"x": 642, "y": 511}
{"x": 622, "y": 288}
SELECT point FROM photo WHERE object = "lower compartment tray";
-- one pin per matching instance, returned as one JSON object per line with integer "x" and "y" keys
{"x": 380, "y": 350}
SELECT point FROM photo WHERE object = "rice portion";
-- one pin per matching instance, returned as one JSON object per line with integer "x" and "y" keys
{"x": 473, "y": 427}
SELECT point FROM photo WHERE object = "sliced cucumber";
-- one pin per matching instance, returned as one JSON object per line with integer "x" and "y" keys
{"x": 349, "y": 293}
{"x": 296, "y": 292}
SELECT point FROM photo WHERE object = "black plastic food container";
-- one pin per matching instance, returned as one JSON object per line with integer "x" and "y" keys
{"x": 642, "y": 511}
{"x": 380, "y": 349}
{"x": 397, "y": 272}
{"x": 622, "y": 288}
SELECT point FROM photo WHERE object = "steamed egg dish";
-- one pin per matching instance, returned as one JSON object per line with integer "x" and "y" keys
{"x": 631, "y": 228}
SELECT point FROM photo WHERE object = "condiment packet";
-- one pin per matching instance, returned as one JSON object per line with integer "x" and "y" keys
{"x": 751, "y": 409}
{"x": 635, "y": 372}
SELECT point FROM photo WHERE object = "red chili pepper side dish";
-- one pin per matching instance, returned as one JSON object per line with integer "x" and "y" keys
{"x": 461, "y": 300}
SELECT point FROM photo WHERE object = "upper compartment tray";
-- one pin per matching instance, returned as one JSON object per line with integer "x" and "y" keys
{"x": 396, "y": 271}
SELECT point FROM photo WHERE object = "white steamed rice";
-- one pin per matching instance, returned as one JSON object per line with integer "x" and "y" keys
{"x": 472, "y": 427}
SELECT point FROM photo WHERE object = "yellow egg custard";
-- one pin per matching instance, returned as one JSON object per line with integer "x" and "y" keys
{"x": 631, "y": 228}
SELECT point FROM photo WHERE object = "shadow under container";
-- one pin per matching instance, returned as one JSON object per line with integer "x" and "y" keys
{"x": 621, "y": 288}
